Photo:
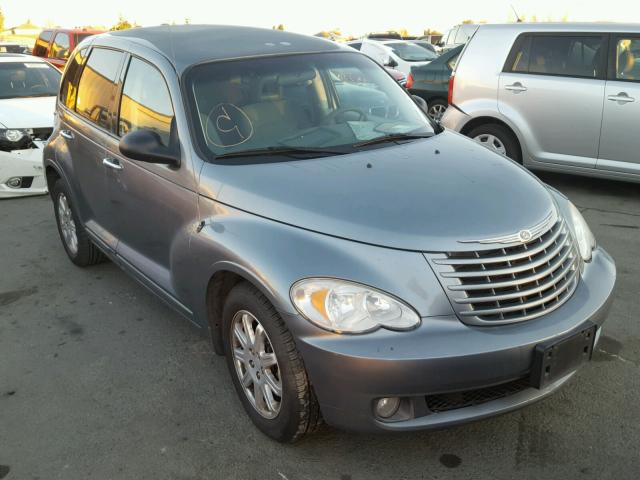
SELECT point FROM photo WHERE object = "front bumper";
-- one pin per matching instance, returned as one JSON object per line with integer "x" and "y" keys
{"x": 443, "y": 355}
{"x": 25, "y": 164}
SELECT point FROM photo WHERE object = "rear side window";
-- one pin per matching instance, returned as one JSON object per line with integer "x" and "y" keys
{"x": 146, "y": 103}
{"x": 627, "y": 59}
{"x": 96, "y": 89}
{"x": 69, "y": 88}
{"x": 562, "y": 55}
{"x": 60, "y": 47}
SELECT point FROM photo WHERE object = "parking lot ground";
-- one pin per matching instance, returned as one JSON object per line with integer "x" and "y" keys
{"x": 99, "y": 380}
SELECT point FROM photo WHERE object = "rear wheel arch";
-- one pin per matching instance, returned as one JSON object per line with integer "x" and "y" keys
{"x": 482, "y": 121}
{"x": 52, "y": 176}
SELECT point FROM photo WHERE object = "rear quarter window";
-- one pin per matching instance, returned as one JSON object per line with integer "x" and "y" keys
{"x": 69, "y": 86}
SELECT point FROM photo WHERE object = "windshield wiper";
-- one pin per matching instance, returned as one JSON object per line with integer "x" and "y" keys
{"x": 394, "y": 137}
{"x": 285, "y": 151}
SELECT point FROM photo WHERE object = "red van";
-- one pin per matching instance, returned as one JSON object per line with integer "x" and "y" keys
{"x": 56, "y": 44}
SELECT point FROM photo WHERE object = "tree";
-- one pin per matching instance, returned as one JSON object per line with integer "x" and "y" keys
{"x": 1, "y": 20}
{"x": 123, "y": 24}
{"x": 278, "y": 27}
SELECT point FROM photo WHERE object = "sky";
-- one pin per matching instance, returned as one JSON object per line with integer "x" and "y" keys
{"x": 354, "y": 17}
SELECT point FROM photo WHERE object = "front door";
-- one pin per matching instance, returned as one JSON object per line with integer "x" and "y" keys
{"x": 552, "y": 88}
{"x": 155, "y": 205}
{"x": 620, "y": 142}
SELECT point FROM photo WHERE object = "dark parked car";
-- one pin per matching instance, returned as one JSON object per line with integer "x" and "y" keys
{"x": 431, "y": 81}
{"x": 351, "y": 259}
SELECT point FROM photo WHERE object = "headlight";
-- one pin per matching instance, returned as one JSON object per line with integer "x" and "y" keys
{"x": 584, "y": 237}
{"x": 347, "y": 307}
{"x": 12, "y": 135}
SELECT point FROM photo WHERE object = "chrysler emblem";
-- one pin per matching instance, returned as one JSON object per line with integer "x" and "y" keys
{"x": 525, "y": 235}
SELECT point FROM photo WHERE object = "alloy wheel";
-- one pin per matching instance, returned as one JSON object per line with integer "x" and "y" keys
{"x": 67, "y": 224}
{"x": 491, "y": 142}
{"x": 436, "y": 112}
{"x": 256, "y": 364}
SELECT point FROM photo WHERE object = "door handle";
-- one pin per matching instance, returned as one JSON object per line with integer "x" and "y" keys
{"x": 112, "y": 163}
{"x": 67, "y": 134}
{"x": 621, "y": 98}
{"x": 516, "y": 87}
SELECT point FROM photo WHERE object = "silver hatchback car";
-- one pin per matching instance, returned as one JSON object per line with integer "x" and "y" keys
{"x": 352, "y": 260}
{"x": 561, "y": 97}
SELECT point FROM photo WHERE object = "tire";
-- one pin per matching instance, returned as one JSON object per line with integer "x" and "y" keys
{"x": 82, "y": 252}
{"x": 298, "y": 412}
{"x": 503, "y": 135}
{"x": 436, "y": 109}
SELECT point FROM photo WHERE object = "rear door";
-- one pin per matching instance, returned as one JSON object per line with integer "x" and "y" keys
{"x": 552, "y": 89}
{"x": 86, "y": 124}
{"x": 620, "y": 141}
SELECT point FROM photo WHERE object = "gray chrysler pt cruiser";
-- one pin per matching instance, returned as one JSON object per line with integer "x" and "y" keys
{"x": 352, "y": 260}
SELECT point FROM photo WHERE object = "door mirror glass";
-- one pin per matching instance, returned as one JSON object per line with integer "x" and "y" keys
{"x": 146, "y": 146}
{"x": 422, "y": 103}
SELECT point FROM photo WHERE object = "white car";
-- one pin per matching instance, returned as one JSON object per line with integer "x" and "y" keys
{"x": 398, "y": 54}
{"x": 28, "y": 89}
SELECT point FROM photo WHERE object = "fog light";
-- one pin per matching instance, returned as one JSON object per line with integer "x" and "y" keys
{"x": 387, "y": 407}
{"x": 15, "y": 182}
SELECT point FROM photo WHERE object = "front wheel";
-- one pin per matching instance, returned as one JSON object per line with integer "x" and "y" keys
{"x": 267, "y": 370}
{"x": 498, "y": 139}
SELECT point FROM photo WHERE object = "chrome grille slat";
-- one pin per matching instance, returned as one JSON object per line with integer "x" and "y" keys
{"x": 521, "y": 306}
{"x": 498, "y": 259}
{"x": 511, "y": 283}
{"x": 521, "y": 293}
{"x": 507, "y": 271}
{"x": 516, "y": 282}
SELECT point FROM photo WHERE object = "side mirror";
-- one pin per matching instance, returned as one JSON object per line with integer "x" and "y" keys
{"x": 146, "y": 146}
{"x": 391, "y": 63}
{"x": 421, "y": 102}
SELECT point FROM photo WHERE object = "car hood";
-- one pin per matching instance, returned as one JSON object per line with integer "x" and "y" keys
{"x": 424, "y": 195}
{"x": 32, "y": 112}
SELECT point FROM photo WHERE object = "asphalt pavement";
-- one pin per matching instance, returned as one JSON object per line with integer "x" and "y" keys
{"x": 100, "y": 380}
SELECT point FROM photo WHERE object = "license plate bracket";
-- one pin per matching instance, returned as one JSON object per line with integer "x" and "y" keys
{"x": 556, "y": 358}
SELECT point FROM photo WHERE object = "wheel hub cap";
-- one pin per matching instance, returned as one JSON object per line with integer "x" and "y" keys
{"x": 256, "y": 364}
{"x": 491, "y": 142}
{"x": 67, "y": 224}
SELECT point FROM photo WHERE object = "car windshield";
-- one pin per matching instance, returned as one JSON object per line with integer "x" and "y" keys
{"x": 28, "y": 79}
{"x": 312, "y": 101}
{"x": 410, "y": 52}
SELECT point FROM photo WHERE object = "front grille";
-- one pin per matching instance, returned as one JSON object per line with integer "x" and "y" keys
{"x": 513, "y": 283}
{"x": 41, "y": 133}
{"x": 452, "y": 401}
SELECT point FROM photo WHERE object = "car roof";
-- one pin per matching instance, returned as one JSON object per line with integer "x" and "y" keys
{"x": 604, "y": 27}
{"x": 186, "y": 45}
{"x": 19, "y": 57}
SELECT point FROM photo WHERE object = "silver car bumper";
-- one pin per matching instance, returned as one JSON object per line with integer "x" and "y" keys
{"x": 454, "y": 119}
{"x": 443, "y": 356}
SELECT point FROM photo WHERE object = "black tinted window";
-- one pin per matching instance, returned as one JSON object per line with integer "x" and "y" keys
{"x": 69, "y": 89}
{"x": 96, "y": 89}
{"x": 28, "y": 79}
{"x": 60, "y": 47}
{"x": 572, "y": 56}
{"x": 146, "y": 102}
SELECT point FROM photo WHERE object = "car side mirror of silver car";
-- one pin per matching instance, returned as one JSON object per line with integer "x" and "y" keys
{"x": 422, "y": 103}
{"x": 146, "y": 146}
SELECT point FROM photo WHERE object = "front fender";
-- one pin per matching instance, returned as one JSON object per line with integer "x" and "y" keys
{"x": 273, "y": 256}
